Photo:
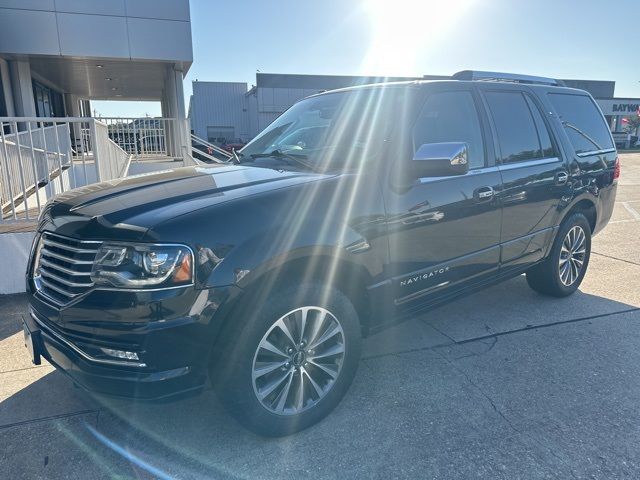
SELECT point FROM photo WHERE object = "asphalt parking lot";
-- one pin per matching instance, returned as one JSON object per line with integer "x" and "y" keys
{"x": 502, "y": 384}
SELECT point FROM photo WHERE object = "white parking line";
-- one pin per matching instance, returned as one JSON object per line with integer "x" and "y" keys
{"x": 622, "y": 221}
{"x": 631, "y": 210}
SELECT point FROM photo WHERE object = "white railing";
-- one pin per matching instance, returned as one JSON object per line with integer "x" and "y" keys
{"x": 42, "y": 157}
{"x": 114, "y": 161}
{"x": 33, "y": 154}
{"x": 29, "y": 158}
{"x": 144, "y": 137}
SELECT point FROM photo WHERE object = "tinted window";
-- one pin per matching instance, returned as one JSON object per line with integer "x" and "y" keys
{"x": 516, "y": 130}
{"x": 451, "y": 117}
{"x": 57, "y": 104}
{"x": 48, "y": 102}
{"x": 582, "y": 121}
{"x": 543, "y": 133}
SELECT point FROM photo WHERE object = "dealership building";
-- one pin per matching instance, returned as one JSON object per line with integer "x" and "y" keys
{"x": 231, "y": 112}
{"x": 56, "y": 57}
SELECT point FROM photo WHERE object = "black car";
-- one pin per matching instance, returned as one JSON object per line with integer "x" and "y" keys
{"x": 353, "y": 210}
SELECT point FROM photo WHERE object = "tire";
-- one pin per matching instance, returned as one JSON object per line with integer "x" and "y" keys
{"x": 563, "y": 270}
{"x": 321, "y": 369}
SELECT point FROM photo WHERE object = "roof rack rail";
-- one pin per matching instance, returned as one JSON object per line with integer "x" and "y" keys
{"x": 477, "y": 75}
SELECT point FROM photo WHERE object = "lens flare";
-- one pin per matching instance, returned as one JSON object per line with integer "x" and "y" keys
{"x": 405, "y": 31}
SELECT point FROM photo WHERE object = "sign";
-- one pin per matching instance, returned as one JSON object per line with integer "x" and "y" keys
{"x": 625, "y": 107}
{"x": 619, "y": 106}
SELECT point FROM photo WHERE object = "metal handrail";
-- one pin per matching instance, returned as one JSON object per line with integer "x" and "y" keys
{"x": 215, "y": 148}
{"x": 39, "y": 150}
{"x": 45, "y": 119}
{"x": 206, "y": 155}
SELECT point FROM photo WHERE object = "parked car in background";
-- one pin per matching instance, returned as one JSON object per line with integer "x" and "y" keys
{"x": 625, "y": 139}
{"x": 353, "y": 210}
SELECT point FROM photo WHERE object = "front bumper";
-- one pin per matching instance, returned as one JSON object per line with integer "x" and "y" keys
{"x": 172, "y": 332}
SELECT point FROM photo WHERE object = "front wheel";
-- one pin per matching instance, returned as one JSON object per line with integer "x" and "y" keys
{"x": 290, "y": 361}
{"x": 563, "y": 270}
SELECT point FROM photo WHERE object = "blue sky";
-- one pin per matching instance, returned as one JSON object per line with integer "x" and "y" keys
{"x": 589, "y": 39}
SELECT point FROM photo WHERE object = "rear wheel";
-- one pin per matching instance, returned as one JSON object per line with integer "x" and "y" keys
{"x": 563, "y": 270}
{"x": 290, "y": 362}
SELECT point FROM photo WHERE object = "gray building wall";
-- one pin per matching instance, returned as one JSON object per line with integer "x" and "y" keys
{"x": 220, "y": 105}
{"x": 118, "y": 29}
{"x": 597, "y": 88}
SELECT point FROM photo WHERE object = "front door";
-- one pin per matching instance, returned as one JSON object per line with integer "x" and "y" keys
{"x": 444, "y": 231}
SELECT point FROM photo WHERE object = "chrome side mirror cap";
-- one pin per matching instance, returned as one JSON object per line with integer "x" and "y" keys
{"x": 441, "y": 159}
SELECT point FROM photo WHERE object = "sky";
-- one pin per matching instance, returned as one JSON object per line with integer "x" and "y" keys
{"x": 588, "y": 39}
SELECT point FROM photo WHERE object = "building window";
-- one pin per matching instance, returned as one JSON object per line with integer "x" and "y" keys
{"x": 84, "y": 107}
{"x": 48, "y": 102}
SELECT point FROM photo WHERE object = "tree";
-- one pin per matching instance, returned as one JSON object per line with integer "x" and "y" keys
{"x": 632, "y": 124}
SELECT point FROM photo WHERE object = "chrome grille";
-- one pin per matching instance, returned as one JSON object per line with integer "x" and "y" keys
{"x": 63, "y": 267}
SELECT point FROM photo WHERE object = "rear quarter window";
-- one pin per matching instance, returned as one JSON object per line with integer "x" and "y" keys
{"x": 582, "y": 121}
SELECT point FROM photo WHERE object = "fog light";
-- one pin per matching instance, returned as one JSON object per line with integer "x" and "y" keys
{"x": 120, "y": 354}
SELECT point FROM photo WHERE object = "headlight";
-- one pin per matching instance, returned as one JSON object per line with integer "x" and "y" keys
{"x": 140, "y": 265}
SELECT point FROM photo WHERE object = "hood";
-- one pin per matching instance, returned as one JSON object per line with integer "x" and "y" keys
{"x": 128, "y": 207}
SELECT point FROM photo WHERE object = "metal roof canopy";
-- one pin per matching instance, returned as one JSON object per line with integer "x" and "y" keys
{"x": 102, "y": 79}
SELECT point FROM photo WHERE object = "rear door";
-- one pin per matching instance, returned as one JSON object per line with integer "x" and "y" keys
{"x": 534, "y": 176}
{"x": 444, "y": 231}
{"x": 591, "y": 151}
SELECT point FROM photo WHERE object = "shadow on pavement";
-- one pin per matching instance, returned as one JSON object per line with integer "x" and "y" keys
{"x": 12, "y": 307}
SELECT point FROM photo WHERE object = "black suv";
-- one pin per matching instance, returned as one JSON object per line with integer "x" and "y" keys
{"x": 356, "y": 208}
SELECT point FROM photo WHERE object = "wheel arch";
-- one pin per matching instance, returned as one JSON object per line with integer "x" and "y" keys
{"x": 328, "y": 268}
{"x": 585, "y": 206}
{"x": 348, "y": 277}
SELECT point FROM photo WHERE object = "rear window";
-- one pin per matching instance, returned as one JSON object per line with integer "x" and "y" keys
{"x": 583, "y": 122}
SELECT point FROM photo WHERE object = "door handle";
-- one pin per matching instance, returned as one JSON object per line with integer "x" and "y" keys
{"x": 562, "y": 178}
{"x": 485, "y": 193}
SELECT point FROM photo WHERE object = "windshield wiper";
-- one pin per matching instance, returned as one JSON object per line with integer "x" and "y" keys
{"x": 299, "y": 159}
{"x": 580, "y": 132}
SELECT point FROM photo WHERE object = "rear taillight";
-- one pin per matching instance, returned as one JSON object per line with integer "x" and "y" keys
{"x": 616, "y": 169}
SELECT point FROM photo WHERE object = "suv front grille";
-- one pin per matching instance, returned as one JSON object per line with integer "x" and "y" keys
{"x": 63, "y": 267}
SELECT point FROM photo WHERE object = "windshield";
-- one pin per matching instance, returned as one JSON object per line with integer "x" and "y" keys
{"x": 339, "y": 129}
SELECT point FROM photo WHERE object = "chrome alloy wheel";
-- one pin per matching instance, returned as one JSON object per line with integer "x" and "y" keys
{"x": 572, "y": 255}
{"x": 298, "y": 360}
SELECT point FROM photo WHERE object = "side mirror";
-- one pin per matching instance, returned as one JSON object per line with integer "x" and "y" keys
{"x": 440, "y": 160}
